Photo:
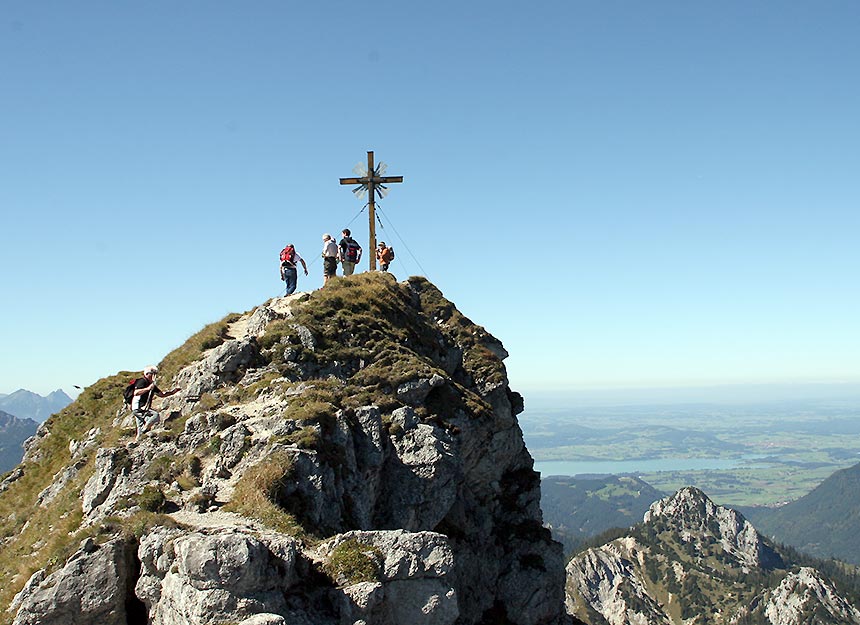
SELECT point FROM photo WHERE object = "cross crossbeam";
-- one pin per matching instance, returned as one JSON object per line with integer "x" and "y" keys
{"x": 373, "y": 183}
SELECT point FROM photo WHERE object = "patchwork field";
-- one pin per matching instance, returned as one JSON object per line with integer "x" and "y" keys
{"x": 765, "y": 453}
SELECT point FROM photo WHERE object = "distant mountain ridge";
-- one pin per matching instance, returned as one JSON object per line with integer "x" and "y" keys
{"x": 26, "y": 404}
{"x": 823, "y": 523}
{"x": 692, "y": 561}
{"x": 13, "y": 433}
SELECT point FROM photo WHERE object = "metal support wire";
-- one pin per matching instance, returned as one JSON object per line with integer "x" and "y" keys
{"x": 379, "y": 210}
{"x": 356, "y": 215}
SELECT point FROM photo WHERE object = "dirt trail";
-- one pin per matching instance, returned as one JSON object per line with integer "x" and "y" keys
{"x": 281, "y": 305}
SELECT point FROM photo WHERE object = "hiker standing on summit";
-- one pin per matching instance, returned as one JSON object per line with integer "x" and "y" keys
{"x": 330, "y": 256}
{"x": 350, "y": 252}
{"x": 144, "y": 416}
{"x": 289, "y": 258}
{"x": 384, "y": 255}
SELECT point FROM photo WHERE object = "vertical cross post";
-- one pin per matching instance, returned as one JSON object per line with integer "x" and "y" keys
{"x": 373, "y": 183}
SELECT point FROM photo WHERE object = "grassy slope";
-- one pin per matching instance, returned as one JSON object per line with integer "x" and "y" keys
{"x": 35, "y": 537}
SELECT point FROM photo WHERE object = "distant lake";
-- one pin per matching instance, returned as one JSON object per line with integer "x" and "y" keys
{"x": 617, "y": 467}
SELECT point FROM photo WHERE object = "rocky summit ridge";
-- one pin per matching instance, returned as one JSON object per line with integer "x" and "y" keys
{"x": 346, "y": 456}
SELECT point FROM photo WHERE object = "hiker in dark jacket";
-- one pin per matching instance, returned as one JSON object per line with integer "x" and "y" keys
{"x": 144, "y": 416}
{"x": 350, "y": 252}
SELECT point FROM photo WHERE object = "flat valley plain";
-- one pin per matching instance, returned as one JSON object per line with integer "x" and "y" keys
{"x": 777, "y": 451}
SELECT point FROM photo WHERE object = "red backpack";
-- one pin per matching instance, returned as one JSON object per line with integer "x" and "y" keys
{"x": 353, "y": 250}
{"x": 288, "y": 254}
{"x": 128, "y": 393}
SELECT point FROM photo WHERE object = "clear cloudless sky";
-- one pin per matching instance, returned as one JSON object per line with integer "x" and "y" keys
{"x": 627, "y": 194}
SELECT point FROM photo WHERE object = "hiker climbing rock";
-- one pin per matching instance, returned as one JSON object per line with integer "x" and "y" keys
{"x": 384, "y": 255}
{"x": 330, "y": 256}
{"x": 141, "y": 404}
{"x": 350, "y": 252}
{"x": 289, "y": 258}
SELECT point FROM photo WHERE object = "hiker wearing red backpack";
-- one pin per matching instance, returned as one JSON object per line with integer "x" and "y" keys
{"x": 289, "y": 258}
{"x": 144, "y": 389}
{"x": 350, "y": 252}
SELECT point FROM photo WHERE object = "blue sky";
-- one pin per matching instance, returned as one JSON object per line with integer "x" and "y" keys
{"x": 627, "y": 194}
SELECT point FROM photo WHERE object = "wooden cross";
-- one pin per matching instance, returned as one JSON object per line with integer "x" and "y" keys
{"x": 371, "y": 181}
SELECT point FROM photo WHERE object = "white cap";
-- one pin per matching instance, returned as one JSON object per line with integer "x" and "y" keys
{"x": 150, "y": 369}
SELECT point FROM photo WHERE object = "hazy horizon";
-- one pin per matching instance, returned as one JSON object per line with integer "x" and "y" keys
{"x": 547, "y": 399}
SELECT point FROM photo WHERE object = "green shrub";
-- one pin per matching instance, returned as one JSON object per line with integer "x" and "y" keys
{"x": 167, "y": 469}
{"x": 152, "y": 499}
{"x": 303, "y": 408}
{"x": 353, "y": 562}
{"x": 215, "y": 444}
{"x": 194, "y": 466}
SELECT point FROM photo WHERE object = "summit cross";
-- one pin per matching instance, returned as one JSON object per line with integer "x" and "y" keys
{"x": 373, "y": 183}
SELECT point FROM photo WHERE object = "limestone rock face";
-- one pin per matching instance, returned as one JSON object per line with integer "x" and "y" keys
{"x": 221, "y": 365}
{"x": 695, "y": 515}
{"x": 803, "y": 593}
{"x": 91, "y": 588}
{"x": 198, "y": 577}
{"x": 607, "y": 581}
{"x": 110, "y": 473}
{"x": 367, "y": 420}
{"x": 413, "y": 578}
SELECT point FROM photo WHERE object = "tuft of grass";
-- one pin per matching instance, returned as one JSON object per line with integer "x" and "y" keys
{"x": 208, "y": 402}
{"x": 308, "y": 409}
{"x": 318, "y": 403}
{"x": 243, "y": 394}
{"x": 353, "y": 562}
{"x": 257, "y": 490}
{"x": 142, "y": 523}
{"x": 160, "y": 468}
{"x": 184, "y": 470}
{"x": 306, "y": 438}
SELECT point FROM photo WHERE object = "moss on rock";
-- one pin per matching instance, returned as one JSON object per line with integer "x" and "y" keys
{"x": 353, "y": 562}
